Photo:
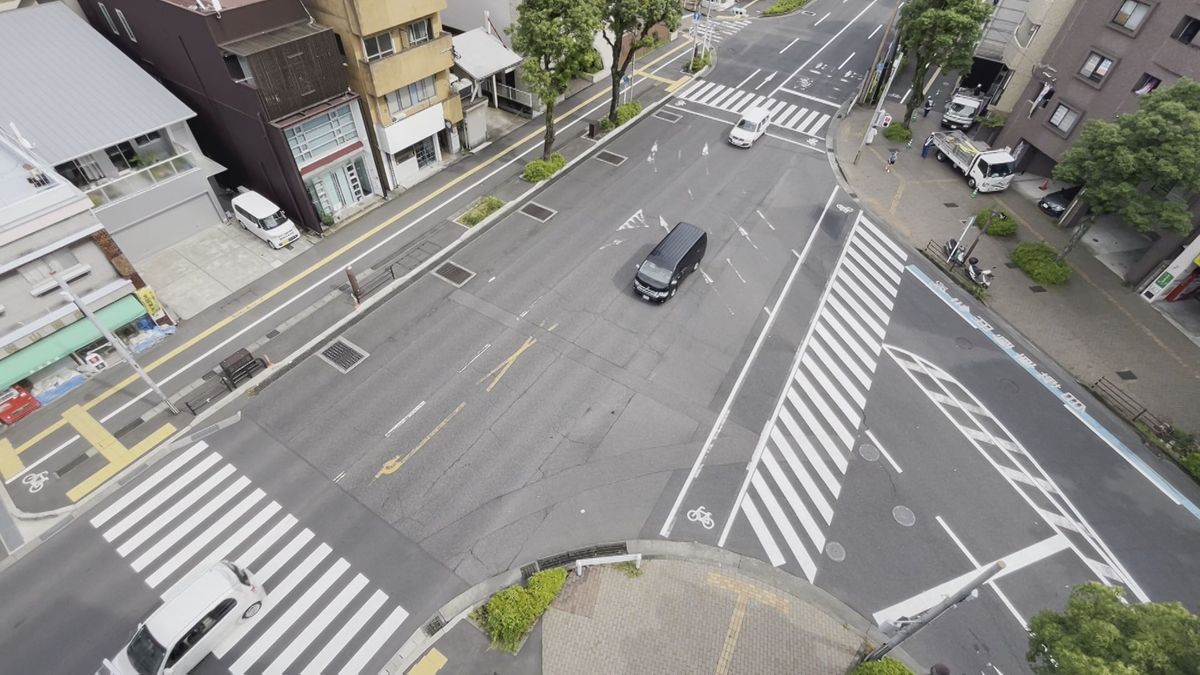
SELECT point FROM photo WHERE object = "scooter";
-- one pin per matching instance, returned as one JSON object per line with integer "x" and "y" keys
{"x": 953, "y": 253}
{"x": 982, "y": 277}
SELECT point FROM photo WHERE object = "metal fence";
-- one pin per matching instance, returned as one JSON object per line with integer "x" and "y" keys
{"x": 1126, "y": 406}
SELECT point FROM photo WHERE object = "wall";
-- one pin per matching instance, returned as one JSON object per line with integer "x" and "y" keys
{"x": 1050, "y": 15}
{"x": 124, "y": 219}
{"x": 298, "y": 75}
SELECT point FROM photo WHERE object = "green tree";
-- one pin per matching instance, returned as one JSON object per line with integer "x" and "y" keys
{"x": 1098, "y": 634}
{"x": 938, "y": 33}
{"x": 634, "y": 18}
{"x": 1127, "y": 167}
{"x": 555, "y": 37}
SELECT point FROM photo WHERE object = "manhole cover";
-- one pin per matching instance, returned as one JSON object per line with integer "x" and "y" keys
{"x": 1010, "y": 385}
{"x": 1037, "y": 289}
{"x": 869, "y": 452}
{"x": 667, "y": 116}
{"x": 950, "y": 205}
{"x": 964, "y": 343}
{"x": 611, "y": 158}
{"x": 538, "y": 212}
{"x": 1126, "y": 375}
{"x": 835, "y": 551}
{"x": 343, "y": 355}
{"x": 454, "y": 274}
{"x": 904, "y": 516}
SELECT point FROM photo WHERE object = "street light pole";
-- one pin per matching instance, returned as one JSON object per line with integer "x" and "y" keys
{"x": 882, "y": 99}
{"x": 114, "y": 341}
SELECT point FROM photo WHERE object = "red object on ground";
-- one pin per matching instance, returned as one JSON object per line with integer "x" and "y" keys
{"x": 1045, "y": 184}
{"x": 15, "y": 403}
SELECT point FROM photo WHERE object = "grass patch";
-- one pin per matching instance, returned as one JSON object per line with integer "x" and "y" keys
{"x": 996, "y": 222}
{"x": 540, "y": 169}
{"x": 980, "y": 293}
{"x": 482, "y": 208}
{"x": 625, "y": 112}
{"x": 510, "y": 614}
{"x": 699, "y": 62}
{"x": 884, "y": 666}
{"x": 896, "y": 133}
{"x": 1040, "y": 262}
{"x": 784, "y": 7}
{"x": 1181, "y": 447}
{"x": 629, "y": 569}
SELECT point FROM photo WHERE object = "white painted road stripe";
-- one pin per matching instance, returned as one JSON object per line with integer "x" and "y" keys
{"x": 276, "y": 563}
{"x": 793, "y": 499}
{"x": 785, "y": 527}
{"x": 716, "y": 102}
{"x": 791, "y": 123}
{"x": 700, "y": 92}
{"x": 389, "y": 626}
{"x": 774, "y": 555}
{"x": 848, "y": 304}
{"x": 812, "y": 115}
{"x": 810, "y": 452}
{"x": 884, "y": 252}
{"x": 883, "y": 451}
{"x": 193, "y": 521}
{"x": 863, "y": 283}
{"x": 886, "y": 241}
{"x": 342, "y": 637}
{"x": 716, "y": 91}
{"x": 843, "y": 358}
{"x": 810, "y": 487}
{"x": 199, "y": 542}
{"x": 308, "y": 636}
{"x": 786, "y": 113}
{"x": 145, "y": 486}
{"x": 815, "y": 399}
{"x": 854, "y": 293}
{"x": 836, "y": 373}
{"x": 733, "y": 104}
{"x": 743, "y": 103}
{"x": 814, "y": 372}
{"x": 852, "y": 342}
{"x": 819, "y": 123}
{"x": 141, "y": 536}
{"x": 831, "y": 447}
{"x": 159, "y": 497}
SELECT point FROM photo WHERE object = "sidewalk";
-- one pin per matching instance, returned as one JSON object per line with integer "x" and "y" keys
{"x": 1093, "y": 326}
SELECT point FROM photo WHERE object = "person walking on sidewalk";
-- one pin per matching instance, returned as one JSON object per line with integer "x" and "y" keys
{"x": 928, "y": 107}
{"x": 925, "y": 148}
{"x": 891, "y": 161}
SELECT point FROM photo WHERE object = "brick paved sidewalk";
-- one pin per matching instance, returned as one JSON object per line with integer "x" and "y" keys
{"x": 1093, "y": 326}
{"x": 690, "y": 617}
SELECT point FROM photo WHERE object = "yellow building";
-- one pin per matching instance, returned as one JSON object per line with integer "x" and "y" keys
{"x": 399, "y": 62}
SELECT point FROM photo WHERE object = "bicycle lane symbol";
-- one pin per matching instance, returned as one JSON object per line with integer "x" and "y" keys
{"x": 701, "y": 515}
{"x": 35, "y": 481}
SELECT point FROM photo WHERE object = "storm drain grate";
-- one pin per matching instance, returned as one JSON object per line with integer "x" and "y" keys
{"x": 950, "y": 205}
{"x": 1126, "y": 375}
{"x": 343, "y": 355}
{"x": 70, "y": 465}
{"x": 435, "y": 624}
{"x": 667, "y": 116}
{"x": 611, "y": 158}
{"x": 1037, "y": 289}
{"x": 538, "y": 212}
{"x": 454, "y": 274}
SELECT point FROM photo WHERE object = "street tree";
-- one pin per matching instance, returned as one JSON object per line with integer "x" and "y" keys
{"x": 636, "y": 19}
{"x": 1133, "y": 167}
{"x": 1098, "y": 634}
{"x": 555, "y": 37}
{"x": 938, "y": 33}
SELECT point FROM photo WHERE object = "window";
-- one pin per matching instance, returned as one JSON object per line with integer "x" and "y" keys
{"x": 108, "y": 18}
{"x": 1187, "y": 30}
{"x": 82, "y": 172}
{"x": 125, "y": 25}
{"x": 407, "y": 97}
{"x": 321, "y": 134}
{"x": 1096, "y": 67}
{"x": 1131, "y": 15}
{"x": 122, "y": 155}
{"x": 1146, "y": 84}
{"x": 1064, "y": 118}
{"x": 147, "y": 138}
{"x": 378, "y": 46}
{"x": 419, "y": 31}
{"x": 340, "y": 47}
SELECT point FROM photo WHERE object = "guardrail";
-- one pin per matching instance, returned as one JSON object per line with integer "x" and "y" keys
{"x": 141, "y": 180}
{"x": 1127, "y": 407}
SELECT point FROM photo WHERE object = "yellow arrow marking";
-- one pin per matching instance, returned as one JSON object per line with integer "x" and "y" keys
{"x": 393, "y": 465}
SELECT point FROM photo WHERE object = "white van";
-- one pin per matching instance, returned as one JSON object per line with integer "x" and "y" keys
{"x": 753, "y": 124}
{"x": 267, "y": 221}
{"x": 186, "y": 628}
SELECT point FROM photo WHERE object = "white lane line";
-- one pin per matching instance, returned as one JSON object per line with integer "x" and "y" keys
{"x": 1022, "y": 477}
{"x": 735, "y": 271}
{"x": 267, "y": 572}
{"x": 820, "y": 49}
{"x": 275, "y": 597}
{"x": 843, "y": 63}
{"x": 145, "y": 486}
{"x": 784, "y": 526}
{"x": 810, "y": 486}
{"x": 774, "y": 555}
{"x": 793, "y": 499}
{"x": 801, "y": 94}
{"x": 749, "y": 77}
{"x": 477, "y": 355}
{"x": 150, "y": 529}
{"x": 198, "y": 542}
{"x": 1013, "y": 562}
{"x": 308, "y": 636}
{"x": 737, "y": 384}
{"x": 760, "y": 215}
{"x": 159, "y": 497}
{"x": 852, "y": 412}
{"x": 389, "y": 626}
{"x": 218, "y": 553}
{"x": 273, "y": 632}
{"x": 883, "y": 451}
{"x": 420, "y": 405}
{"x": 766, "y": 79}
{"x": 342, "y": 637}
{"x": 810, "y": 452}
{"x": 875, "y": 31}
{"x": 991, "y": 582}
{"x": 818, "y": 23}
{"x": 193, "y": 521}
{"x": 789, "y": 45}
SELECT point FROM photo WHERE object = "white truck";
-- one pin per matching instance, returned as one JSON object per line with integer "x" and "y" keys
{"x": 963, "y": 109}
{"x": 986, "y": 170}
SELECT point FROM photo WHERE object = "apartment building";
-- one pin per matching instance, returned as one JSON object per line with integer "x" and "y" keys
{"x": 398, "y": 58}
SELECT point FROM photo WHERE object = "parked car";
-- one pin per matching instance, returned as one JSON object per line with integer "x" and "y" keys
{"x": 1056, "y": 203}
{"x": 671, "y": 261}
{"x": 268, "y": 222}
{"x": 750, "y": 127}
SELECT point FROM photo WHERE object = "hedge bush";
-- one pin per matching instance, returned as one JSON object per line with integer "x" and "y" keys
{"x": 1191, "y": 464}
{"x": 884, "y": 666}
{"x": 540, "y": 169}
{"x": 700, "y": 62}
{"x": 1002, "y": 225}
{"x": 628, "y": 111}
{"x": 1040, "y": 263}
{"x": 483, "y": 208}
{"x": 784, "y": 6}
{"x": 510, "y": 614}
{"x": 897, "y": 133}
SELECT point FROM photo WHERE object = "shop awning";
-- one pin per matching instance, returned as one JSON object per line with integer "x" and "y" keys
{"x": 53, "y": 347}
{"x": 480, "y": 55}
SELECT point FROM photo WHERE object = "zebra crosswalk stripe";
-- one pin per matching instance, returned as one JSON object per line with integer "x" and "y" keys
{"x": 342, "y": 638}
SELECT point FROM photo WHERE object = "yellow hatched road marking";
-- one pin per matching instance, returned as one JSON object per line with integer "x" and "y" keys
{"x": 10, "y": 464}
{"x": 429, "y": 664}
{"x": 123, "y": 458}
{"x": 502, "y": 367}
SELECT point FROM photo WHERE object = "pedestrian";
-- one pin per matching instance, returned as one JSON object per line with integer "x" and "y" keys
{"x": 891, "y": 161}
{"x": 928, "y": 107}
{"x": 925, "y": 148}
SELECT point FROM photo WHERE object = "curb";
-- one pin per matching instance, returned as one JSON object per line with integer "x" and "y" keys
{"x": 458, "y": 607}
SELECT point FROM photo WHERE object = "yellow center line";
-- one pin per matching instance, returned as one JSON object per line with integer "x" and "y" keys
{"x": 502, "y": 367}
{"x": 393, "y": 465}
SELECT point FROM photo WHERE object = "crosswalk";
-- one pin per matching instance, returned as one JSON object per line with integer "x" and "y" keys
{"x": 802, "y": 454}
{"x": 717, "y": 31}
{"x": 792, "y": 116}
{"x": 320, "y": 615}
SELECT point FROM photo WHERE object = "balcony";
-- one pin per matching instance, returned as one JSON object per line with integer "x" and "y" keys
{"x": 407, "y": 66}
{"x": 140, "y": 180}
{"x": 376, "y": 16}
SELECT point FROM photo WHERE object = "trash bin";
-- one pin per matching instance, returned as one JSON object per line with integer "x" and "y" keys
{"x": 593, "y": 128}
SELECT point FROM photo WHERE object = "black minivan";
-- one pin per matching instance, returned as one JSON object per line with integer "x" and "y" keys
{"x": 675, "y": 257}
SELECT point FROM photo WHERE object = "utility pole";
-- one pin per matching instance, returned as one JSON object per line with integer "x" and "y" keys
{"x": 114, "y": 341}
{"x": 882, "y": 99}
{"x": 910, "y": 627}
